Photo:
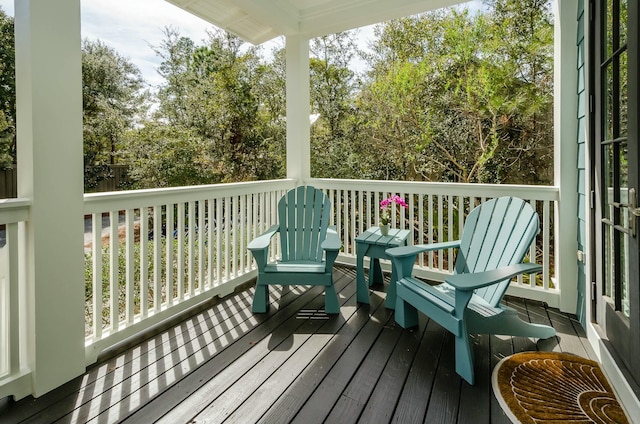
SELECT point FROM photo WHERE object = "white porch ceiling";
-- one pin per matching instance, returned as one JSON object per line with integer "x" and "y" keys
{"x": 257, "y": 21}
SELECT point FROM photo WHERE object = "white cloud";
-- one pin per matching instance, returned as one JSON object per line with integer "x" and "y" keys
{"x": 131, "y": 27}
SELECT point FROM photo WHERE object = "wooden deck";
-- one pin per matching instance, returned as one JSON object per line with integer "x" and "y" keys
{"x": 294, "y": 364}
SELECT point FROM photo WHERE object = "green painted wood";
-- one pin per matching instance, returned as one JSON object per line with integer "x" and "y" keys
{"x": 494, "y": 242}
{"x": 309, "y": 247}
{"x": 373, "y": 244}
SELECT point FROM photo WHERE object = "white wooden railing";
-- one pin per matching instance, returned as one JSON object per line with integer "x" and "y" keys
{"x": 13, "y": 368}
{"x": 436, "y": 213}
{"x": 170, "y": 250}
{"x": 151, "y": 254}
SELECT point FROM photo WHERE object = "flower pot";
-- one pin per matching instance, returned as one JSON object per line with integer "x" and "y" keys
{"x": 384, "y": 229}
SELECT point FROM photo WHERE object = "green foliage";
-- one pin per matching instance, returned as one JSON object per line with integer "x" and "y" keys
{"x": 462, "y": 97}
{"x": 450, "y": 95}
{"x": 333, "y": 86}
{"x": 113, "y": 99}
{"x": 211, "y": 125}
{"x": 7, "y": 92}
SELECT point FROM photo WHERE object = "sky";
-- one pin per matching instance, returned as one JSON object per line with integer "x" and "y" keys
{"x": 131, "y": 27}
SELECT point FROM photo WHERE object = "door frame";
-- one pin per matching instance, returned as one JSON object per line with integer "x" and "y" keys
{"x": 621, "y": 334}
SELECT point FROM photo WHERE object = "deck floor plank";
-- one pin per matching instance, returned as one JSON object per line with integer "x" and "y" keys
{"x": 476, "y": 398}
{"x": 355, "y": 396}
{"x": 296, "y": 395}
{"x": 417, "y": 390}
{"x": 327, "y": 393}
{"x": 189, "y": 391}
{"x": 387, "y": 391}
{"x": 445, "y": 398}
{"x": 295, "y": 364}
{"x": 269, "y": 355}
{"x": 175, "y": 363}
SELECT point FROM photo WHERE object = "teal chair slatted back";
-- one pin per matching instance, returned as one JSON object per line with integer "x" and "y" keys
{"x": 301, "y": 212}
{"x": 497, "y": 233}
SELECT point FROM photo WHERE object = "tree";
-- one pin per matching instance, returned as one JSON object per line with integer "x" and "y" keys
{"x": 445, "y": 100}
{"x": 333, "y": 85}
{"x": 7, "y": 92}
{"x": 113, "y": 99}
{"x": 212, "y": 96}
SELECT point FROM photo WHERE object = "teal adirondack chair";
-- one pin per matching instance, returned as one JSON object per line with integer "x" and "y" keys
{"x": 495, "y": 239}
{"x": 308, "y": 245}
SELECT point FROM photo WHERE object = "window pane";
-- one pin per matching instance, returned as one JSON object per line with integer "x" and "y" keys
{"x": 608, "y": 260}
{"x": 607, "y": 113}
{"x": 624, "y": 94}
{"x": 608, "y": 36}
{"x": 624, "y": 267}
{"x": 607, "y": 174}
{"x": 623, "y": 22}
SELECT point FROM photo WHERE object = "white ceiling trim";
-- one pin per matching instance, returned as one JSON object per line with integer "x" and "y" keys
{"x": 266, "y": 19}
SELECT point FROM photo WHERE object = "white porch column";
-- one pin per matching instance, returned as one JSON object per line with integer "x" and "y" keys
{"x": 298, "y": 108}
{"x": 50, "y": 165}
{"x": 566, "y": 150}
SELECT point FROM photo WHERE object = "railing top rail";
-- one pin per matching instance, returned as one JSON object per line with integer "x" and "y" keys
{"x": 14, "y": 210}
{"x": 117, "y": 200}
{"x": 438, "y": 188}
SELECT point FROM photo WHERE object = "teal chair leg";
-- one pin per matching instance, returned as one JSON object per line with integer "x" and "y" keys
{"x": 406, "y": 314}
{"x": 464, "y": 358}
{"x": 261, "y": 299}
{"x": 331, "y": 305}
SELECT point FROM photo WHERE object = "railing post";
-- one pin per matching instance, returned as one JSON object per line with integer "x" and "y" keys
{"x": 50, "y": 167}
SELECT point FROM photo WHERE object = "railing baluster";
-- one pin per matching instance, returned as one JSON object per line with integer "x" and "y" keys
{"x": 227, "y": 237}
{"x": 157, "y": 258}
{"x": 13, "y": 297}
{"x": 233, "y": 227}
{"x": 211, "y": 229}
{"x": 242, "y": 230}
{"x": 170, "y": 230}
{"x": 144, "y": 262}
{"x": 191, "y": 250}
{"x": 114, "y": 299}
{"x": 450, "y": 222}
{"x": 201, "y": 242}
{"x": 440, "y": 232}
{"x": 129, "y": 282}
{"x": 421, "y": 234}
{"x": 219, "y": 229}
{"x": 96, "y": 247}
{"x": 180, "y": 253}
{"x": 430, "y": 226}
{"x": 546, "y": 242}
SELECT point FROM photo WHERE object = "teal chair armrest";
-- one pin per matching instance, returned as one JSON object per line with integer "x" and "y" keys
{"x": 473, "y": 281}
{"x": 331, "y": 245}
{"x": 259, "y": 246}
{"x": 262, "y": 241}
{"x": 405, "y": 251}
{"x": 332, "y": 241}
{"x": 404, "y": 257}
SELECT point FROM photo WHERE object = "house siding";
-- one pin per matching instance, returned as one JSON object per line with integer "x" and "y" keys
{"x": 581, "y": 164}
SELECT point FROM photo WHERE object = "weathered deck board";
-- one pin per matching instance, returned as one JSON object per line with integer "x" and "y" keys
{"x": 295, "y": 364}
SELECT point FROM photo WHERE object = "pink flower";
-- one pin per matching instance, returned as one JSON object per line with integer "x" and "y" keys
{"x": 387, "y": 204}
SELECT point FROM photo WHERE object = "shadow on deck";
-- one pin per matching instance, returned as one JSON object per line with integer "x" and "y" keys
{"x": 295, "y": 364}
